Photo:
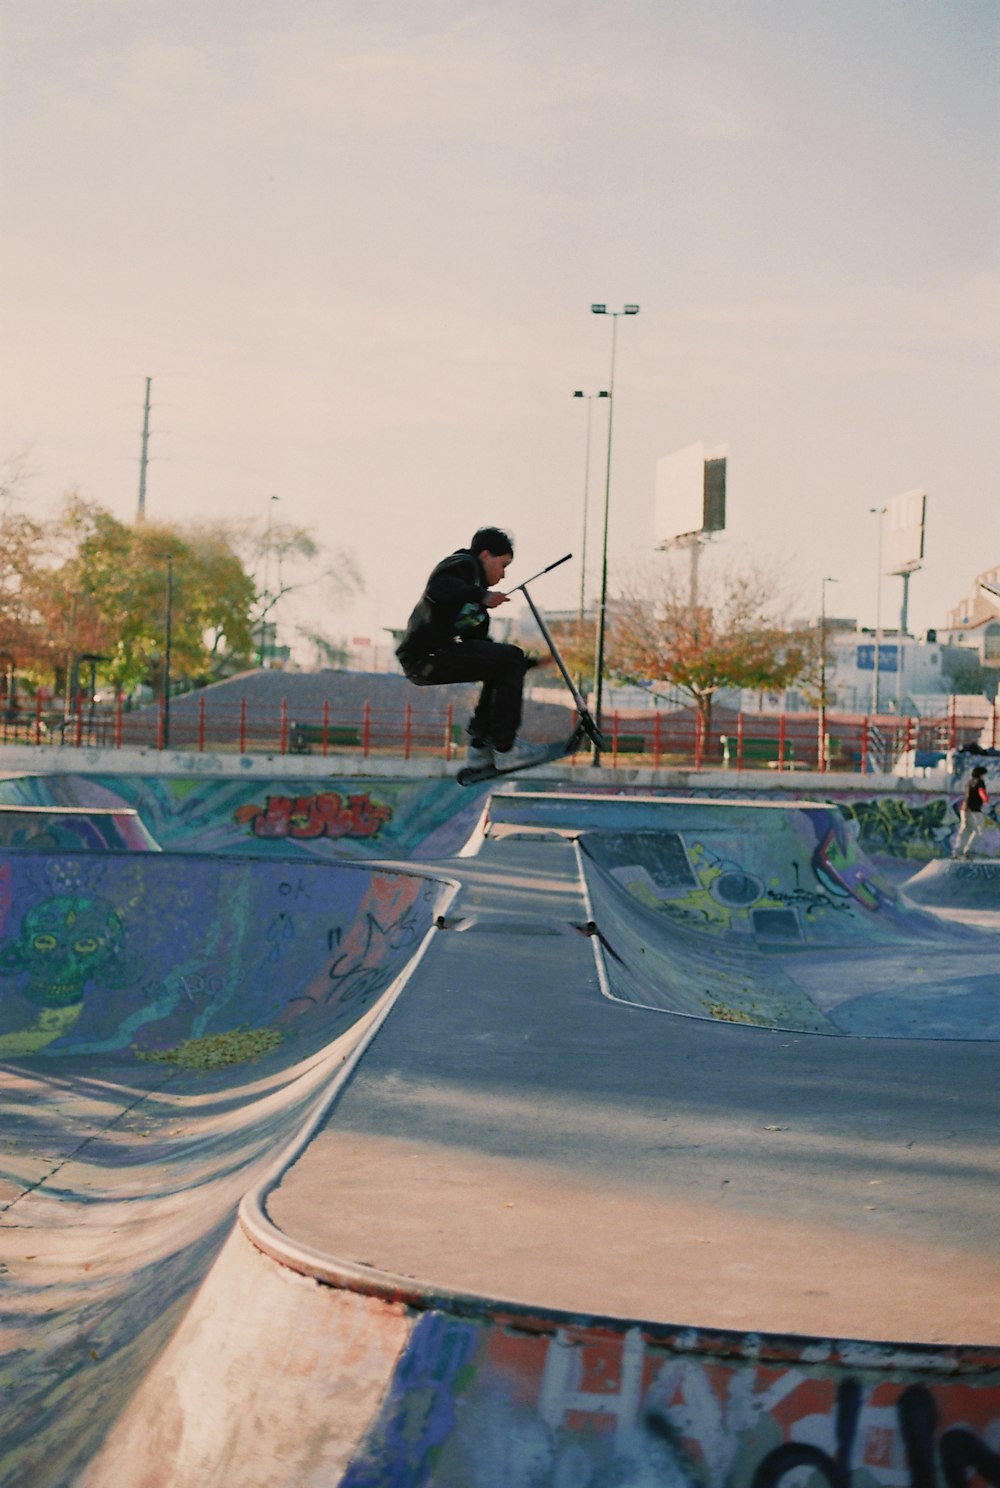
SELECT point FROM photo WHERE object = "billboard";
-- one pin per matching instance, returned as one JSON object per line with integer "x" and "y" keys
{"x": 888, "y": 658}
{"x": 903, "y": 532}
{"x": 690, "y": 493}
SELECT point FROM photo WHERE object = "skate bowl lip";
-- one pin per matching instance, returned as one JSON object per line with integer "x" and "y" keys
{"x": 145, "y": 843}
{"x": 885, "y": 1356}
{"x": 967, "y": 869}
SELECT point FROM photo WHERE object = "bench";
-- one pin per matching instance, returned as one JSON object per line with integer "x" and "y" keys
{"x": 627, "y": 744}
{"x": 303, "y": 736}
{"x": 756, "y": 751}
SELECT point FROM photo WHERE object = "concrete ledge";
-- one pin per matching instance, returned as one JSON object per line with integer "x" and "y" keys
{"x": 28, "y": 759}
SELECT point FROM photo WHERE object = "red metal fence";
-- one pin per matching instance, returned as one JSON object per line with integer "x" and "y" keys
{"x": 793, "y": 741}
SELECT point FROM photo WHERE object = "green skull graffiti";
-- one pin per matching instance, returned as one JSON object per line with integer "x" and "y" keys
{"x": 63, "y": 944}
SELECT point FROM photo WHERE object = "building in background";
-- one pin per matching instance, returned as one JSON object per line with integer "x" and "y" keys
{"x": 975, "y": 622}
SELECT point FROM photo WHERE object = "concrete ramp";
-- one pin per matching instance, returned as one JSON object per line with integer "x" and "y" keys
{"x": 315, "y": 1383}
{"x": 758, "y": 877}
{"x": 54, "y": 828}
{"x": 972, "y": 888}
{"x": 502, "y": 1257}
{"x": 166, "y": 1025}
{"x": 309, "y": 816}
{"x": 130, "y": 957}
{"x": 772, "y": 915}
{"x": 529, "y": 1236}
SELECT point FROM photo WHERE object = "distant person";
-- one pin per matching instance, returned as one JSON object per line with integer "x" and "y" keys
{"x": 972, "y": 813}
{"x": 447, "y": 640}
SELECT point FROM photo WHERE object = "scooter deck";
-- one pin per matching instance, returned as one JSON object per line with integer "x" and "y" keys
{"x": 476, "y": 774}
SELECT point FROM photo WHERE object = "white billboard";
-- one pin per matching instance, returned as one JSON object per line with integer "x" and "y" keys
{"x": 903, "y": 532}
{"x": 690, "y": 493}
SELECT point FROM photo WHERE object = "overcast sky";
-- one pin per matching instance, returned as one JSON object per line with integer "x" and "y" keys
{"x": 355, "y": 244}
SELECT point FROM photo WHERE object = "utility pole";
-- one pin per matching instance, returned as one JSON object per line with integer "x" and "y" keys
{"x": 144, "y": 456}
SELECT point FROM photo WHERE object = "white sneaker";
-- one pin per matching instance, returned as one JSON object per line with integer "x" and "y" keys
{"x": 519, "y": 753}
{"x": 477, "y": 756}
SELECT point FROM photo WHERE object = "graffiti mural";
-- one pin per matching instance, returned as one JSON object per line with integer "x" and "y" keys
{"x": 900, "y": 825}
{"x": 137, "y": 954}
{"x": 326, "y": 814}
{"x": 752, "y": 873}
{"x": 472, "y": 1403}
{"x": 235, "y": 814}
{"x": 62, "y": 944}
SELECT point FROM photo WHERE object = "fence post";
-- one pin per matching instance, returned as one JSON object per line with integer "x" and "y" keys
{"x": 614, "y": 739}
{"x": 243, "y": 725}
{"x": 326, "y": 726}
{"x": 952, "y": 721}
{"x": 864, "y": 744}
{"x": 699, "y": 739}
{"x": 283, "y": 727}
{"x": 38, "y": 718}
{"x": 656, "y": 740}
{"x": 781, "y": 742}
{"x": 407, "y": 730}
{"x": 739, "y": 741}
{"x": 119, "y": 722}
{"x": 161, "y": 721}
{"x": 449, "y": 717}
{"x": 366, "y": 737}
{"x": 201, "y": 724}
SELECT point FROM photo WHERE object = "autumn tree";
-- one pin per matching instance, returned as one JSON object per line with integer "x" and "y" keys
{"x": 113, "y": 590}
{"x": 736, "y": 634}
{"x": 24, "y": 544}
{"x": 24, "y": 547}
{"x": 85, "y": 584}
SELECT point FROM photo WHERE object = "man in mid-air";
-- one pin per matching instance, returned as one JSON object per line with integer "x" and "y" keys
{"x": 447, "y": 640}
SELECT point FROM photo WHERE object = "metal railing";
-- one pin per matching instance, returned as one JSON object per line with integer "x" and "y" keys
{"x": 660, "y": 739}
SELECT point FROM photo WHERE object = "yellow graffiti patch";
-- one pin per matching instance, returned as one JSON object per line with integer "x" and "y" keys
{"x": 237, "y": 1046}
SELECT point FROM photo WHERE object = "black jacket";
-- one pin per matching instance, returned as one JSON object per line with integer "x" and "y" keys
{"x": 450, "y": 609}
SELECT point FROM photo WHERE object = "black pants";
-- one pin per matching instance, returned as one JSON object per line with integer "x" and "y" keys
{"x": 500, "y": 668}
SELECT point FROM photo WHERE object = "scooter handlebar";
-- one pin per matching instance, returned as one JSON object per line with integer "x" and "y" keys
{"x": 538, "y": 575}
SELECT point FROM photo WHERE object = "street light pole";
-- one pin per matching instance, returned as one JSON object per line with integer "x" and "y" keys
{"x": 602, "y": 610}
{"x": 878, "y": 511}
{"x": 586, "y": 500}
{"x": 168, "y": 638}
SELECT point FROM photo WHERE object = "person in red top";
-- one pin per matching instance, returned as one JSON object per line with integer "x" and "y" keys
{"x": 972, "y": 813}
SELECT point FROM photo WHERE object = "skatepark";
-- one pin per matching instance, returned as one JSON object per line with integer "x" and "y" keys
{"x": 574, "y": 1131}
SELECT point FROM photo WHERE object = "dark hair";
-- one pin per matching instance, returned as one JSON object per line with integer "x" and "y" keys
{"x": 979, "y": 770}
{"x": 491, "y": 540}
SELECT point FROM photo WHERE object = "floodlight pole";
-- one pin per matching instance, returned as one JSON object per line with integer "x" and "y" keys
{"x": 878, "y": 511}
{"x": 586, "y": 499}
{"x": 603, "y": 607}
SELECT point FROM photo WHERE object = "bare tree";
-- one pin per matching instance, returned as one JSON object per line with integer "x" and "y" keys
{"x": 736, "y": 634}
{"x": 287, "y": 560}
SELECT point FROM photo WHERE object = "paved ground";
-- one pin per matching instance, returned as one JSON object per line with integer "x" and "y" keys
{"x": 513, "y": 1131}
